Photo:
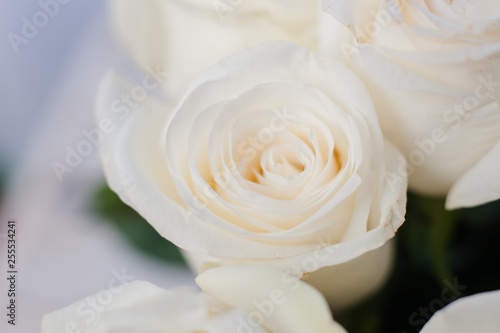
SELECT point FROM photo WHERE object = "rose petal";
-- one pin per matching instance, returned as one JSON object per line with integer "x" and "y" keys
{"x": 135, "y": 307}
{"x": 477, "y": 313}
{"x": 480, "y": 184}
{"x": 351, "y": 12}
{"x": 354, "y": 281}
{"x": 167, "y": 33}
{"x": 281, "y": 303}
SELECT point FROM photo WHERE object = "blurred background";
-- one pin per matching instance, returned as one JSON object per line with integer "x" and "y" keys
{"x": 68, "y": 246}
{"x": 75, "y": 237}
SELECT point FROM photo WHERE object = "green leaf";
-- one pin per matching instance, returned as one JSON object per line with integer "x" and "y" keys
{"x": 137, "y": 231}
{"x": 442, "y": 228}
{"x": 431, "y": 230}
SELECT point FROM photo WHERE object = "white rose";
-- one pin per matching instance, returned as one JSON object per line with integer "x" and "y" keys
{"x": 433, "y": 71}
{"x": 273, "y": 156}
{"x": 237, "y": 300}
{"x": 477, "y": 313}
{"x": 187, "y": 36}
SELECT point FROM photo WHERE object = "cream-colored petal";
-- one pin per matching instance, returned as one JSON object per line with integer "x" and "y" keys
{"x": 136, "y": 307}
{"x": 167, "y": 32}
{"x": 134, "y": 161}
{"x": 352, "y": 12}
{"x": 349, "y": 283}
{"x": 477, "y": 313}
{"x": 441, "y": 130}
{"x": 432, "y": 71}
{"x": 361, "y": 264}
{"x": 479, "y": 185}
{"x": 271, "y": 298}
{"x": 143, "y": 35}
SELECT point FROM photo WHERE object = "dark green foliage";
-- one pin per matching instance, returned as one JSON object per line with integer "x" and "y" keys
{"x": 435, "y": 249}
{"x": 134, "y": 228}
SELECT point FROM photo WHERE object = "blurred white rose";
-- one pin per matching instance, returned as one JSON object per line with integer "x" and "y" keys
{"x": 273, "y": 156}
{"x": 477, "y": 313}
{"x": 187, "y": 36}
{"x": 433, "y": 70}
{"x": 237, "y": 300}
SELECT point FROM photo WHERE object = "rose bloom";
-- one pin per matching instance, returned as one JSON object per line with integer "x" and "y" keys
{"x": 433, "y": 70}
{"x": 273, "y": 156}
{"x": 477, "y": 313}
{"x": 184, "y": 37}
{"x": 236, "y": 300}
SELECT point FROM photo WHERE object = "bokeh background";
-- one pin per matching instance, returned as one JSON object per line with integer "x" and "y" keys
{"x": 74, "y": 236}
{"x": 66, "y": 251}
